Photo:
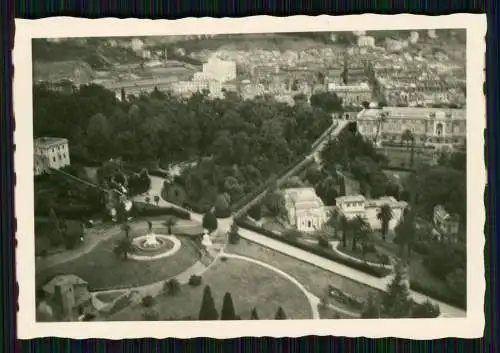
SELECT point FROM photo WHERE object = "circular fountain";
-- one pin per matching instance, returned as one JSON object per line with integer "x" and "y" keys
{"x": 153, "y": 246}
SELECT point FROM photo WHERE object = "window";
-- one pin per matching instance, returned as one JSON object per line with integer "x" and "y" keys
{"x": 53, "y": 159}
{"x": 309, "y": 225}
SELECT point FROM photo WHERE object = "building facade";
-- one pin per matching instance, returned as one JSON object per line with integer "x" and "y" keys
{"x": 446, "y": 224}
{"x": 220, "y": 70}
{"x": 358, "y": 206}
{"x": 67, "y": 296}
{"x": 352, "y": 95}
{"x": 306, "y": 210}
{"x": 429, "y": 126}
{"x": 50, "y": 152}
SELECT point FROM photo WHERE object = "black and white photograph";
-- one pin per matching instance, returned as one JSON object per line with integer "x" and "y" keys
{"x": 319, "y": 175}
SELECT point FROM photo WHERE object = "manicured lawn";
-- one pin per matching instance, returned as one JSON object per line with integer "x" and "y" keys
{"x": 250, "y": 285}
{"x": 315, "y": 279}
{"x": 102, "y": 269}
{"x": 326, "y": 312}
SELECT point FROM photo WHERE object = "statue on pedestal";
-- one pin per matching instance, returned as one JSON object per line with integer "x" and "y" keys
{"x": 206, "y": 242}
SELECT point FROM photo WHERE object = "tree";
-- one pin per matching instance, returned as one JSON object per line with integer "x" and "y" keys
{"x": 359, "y": 228}
{"x": 280, "y": 314}
{"x": 209, "y": 221}
{"x": 396, "y": 300}
{"x": 405, "y": 232}
{"x": 425, "y": 310}
{"x": 234, "y": 236}
{"x": 222, "y": 209}
{"x": 227, "y": 312}
{"x": 123, "y": 247}
{"x": 207, "y": 309}
{"x": 323, "y": 241}
{"x": 157, "y": 200}
{"x": 150, "y": 314}
{"x": 126, "y": 229}
{"x": 170, "y": 222}
{"x": 172, "y": 286}
{"x": 55, "y": 235}
{"x": 327, "y": 191}
{"x": 385, "y": 215}
{"x": 328, "y": 101}
{"x": 254, "y": 315}
{"x": 275, "y": 203}
{"x": 255, "y": 212}
{"x": 371, "y": 309}
{"x": 344, "y": 227}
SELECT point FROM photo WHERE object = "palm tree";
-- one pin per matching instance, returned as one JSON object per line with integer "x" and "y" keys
{"x": 344, "y": 226}
{"x": 126, "y": 228}
{"x": 385, "y": 215}
{"x": 123, "y": 247}
{"x": 169, "y": 223}
{"x": 360, "y": 229}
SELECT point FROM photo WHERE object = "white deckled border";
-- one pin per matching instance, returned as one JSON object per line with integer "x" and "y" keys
{"x": 470, "y": 327}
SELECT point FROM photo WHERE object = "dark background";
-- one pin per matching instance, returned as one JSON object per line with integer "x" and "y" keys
{"x": 178, "y": 9}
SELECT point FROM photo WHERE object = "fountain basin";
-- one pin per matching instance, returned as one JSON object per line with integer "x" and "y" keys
{"x": 145, "y": 250}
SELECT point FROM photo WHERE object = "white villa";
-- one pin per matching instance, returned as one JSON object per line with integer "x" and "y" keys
{"x": 305, "y": 209}
{"x": 358, "y": 205}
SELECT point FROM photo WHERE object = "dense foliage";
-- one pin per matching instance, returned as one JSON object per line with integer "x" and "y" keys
{"x": 236, "y": 144}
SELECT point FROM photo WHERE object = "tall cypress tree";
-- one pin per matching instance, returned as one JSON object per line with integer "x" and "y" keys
{"x": 207, "y": 309}
{"x": 55, "y": 234}
{"x": 396, "y": 300}
{"x": 227, "y": 312}
{"x": 280, "y": 314}
{"x": 254, "y": 315}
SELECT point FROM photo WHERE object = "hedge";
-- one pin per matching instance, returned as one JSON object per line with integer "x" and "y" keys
{"x": 160, "y": 211}
{"x": 445, "y": 297}
{"x": 313, "y": 248}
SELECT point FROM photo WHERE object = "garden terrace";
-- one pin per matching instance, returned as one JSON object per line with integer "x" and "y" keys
{"x": 250, "y": 285}
{"x": 103, "y": 270}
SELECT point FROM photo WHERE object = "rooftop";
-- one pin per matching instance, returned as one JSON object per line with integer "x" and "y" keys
{"x": 351, "y": 198}
{"x": 413, "y": 113}
{"x": 49, "y": 141}
{"x": 302, "y": 197}
{"x": 62, "y": 280}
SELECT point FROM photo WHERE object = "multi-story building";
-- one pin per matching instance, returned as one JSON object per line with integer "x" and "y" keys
{"x": 429, "y": 126}
{"x": 220, "y": 70}
{"x": 366, "y": 41}
{"x": 306, "y": 210}
{"x": 50, "y": 153}
{"x": 445, "y": 224}
{"x": 188, "y": 88}
{"x": 261, "y": 72}
{"x": 358, "y": 206}
{"x": 352, "y": 95}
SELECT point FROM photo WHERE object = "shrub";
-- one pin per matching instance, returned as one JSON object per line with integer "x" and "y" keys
{"x": 446, "y": 297}
{"x": 255, "y": 212}
{"x": 150, "y": 210}
{"x": 223, "y": 258}
{"x": 323, "y": 242}
{"x": 210, "y": 221}
{"x": 222, "y": 209}
{"x": 326, "y": 253}
{"x": 172, "y": 286}
{"x": 195, "y": 280}
{"x": 148, "y": 301}
{"x": 150, "y": 315}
